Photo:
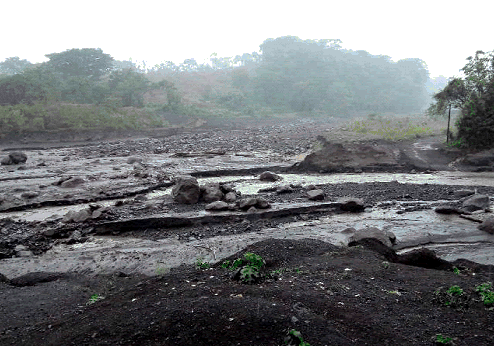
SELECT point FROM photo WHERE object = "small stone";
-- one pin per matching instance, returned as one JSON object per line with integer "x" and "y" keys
{"x": 284, "y": 189}
{"x": 29, "y": 194}
{"x": 252, "y": 210}
{"x": 72, "y": 182}
{"x": 217, "y": 206}
{"x": 463, "y": 193}
{"x": 131, "y": 160}
{"x": 262, "y": 203}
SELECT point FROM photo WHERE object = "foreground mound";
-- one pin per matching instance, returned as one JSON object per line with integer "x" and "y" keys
{"x": 327, "y": 295}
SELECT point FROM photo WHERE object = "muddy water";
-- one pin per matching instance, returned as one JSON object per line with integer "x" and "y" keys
{"x": 248, "y": 185}
{"x": 451, "y": 236}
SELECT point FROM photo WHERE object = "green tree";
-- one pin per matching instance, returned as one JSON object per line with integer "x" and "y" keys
{"x": 129, "y": 86}
{"x": 474, "y": 96}
{"x": 87, "y": 62}
{"x": 14, "y": 65}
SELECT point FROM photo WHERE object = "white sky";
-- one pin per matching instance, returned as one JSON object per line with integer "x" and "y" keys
{"x": 442, "y": 33}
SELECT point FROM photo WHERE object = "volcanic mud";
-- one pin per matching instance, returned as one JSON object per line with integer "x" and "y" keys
{"x": 94, "y": 249}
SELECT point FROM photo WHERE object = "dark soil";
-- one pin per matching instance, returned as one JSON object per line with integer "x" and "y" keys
{"x": 360, "y": 295}
{"x": 331, "y": 295}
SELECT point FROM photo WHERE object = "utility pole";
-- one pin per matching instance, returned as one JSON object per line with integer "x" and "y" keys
{"x": 449, "y": 119}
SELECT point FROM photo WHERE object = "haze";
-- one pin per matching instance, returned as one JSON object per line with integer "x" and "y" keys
{"x": 157, "y": 32}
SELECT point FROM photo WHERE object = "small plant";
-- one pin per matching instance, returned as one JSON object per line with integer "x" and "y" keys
{"x": 456, "y": 271}
{"x": 454, "y": 297}
{"x": 443, "y": 340}
{"x": 248, "y": 267}
{"x": 94, "y": 298}
{"x": 202, "y": 264}
{"x": 486, "y": 293}
{"x": 295, "y": 338}
{"x": 455, "y": 290}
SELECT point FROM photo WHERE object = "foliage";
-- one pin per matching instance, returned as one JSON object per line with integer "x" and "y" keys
{"x": 94, "y": 298}
{"x": 486, "y": 293}
{"x": 87, "y": 62}
{"x": 248, "y": 268}
{"x": 200, "y": 263}
{"x": 129, "y": 86}
{"x": 295, "y": 338}
{"x": 27, "y": 118}
{"x": 14, "y": 65}
{"x": 446, "y": 340}
{"x": 474, "y": 96}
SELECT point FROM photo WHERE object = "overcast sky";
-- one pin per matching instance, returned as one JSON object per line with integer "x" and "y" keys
{"x": 442, "y": 33}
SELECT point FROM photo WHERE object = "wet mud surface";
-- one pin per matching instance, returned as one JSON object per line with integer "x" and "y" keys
{"x": 138, "y": 248}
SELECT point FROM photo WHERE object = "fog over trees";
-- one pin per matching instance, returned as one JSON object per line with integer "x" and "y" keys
{"x": 287, "y": 75}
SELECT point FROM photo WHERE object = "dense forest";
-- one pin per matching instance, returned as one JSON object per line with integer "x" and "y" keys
{"x": 87, "y": 88}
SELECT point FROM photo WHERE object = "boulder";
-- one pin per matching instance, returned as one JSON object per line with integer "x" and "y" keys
{"x": 14, "y": 158}
{"x": 211, "y": 192}
{"x": 230, "y": 197}
{"x": 72, "y": 182}
{"x": 476, "y": 202}
{"x": 351, "y": 204}
{"x": 315, "y": 195}
{"x": 246, "y": 203}
{"x": 269, "y": 176}
{"x": 217, "y": 206}
{"x": 6, "y": 161}
{"x": 186, "y": 190}
{"x": 488, "y": 225}
{"x": 386, "y": 237}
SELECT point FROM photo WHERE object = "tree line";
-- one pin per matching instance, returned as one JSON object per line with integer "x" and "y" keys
{"x": 288, "y": 74}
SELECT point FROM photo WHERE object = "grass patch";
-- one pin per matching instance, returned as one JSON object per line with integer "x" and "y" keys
{"x": 396, "y": 128}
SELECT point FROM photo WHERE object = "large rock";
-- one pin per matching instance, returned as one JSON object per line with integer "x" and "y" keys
{"x": 246, "y": 203}
{"x": 336, "y": 157}
{"x": 351, "y": 204}
{"x": 488, "y": 225}
{"x": 269, "y": 176}
{"x": 186, "y": 190}
{"x": 315, "y": 195}
{"x": 211, "y": 192}
{"x": 14, "y": 158}
{"x": 476, "y": 202}
{"x": 386, "y": 237}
